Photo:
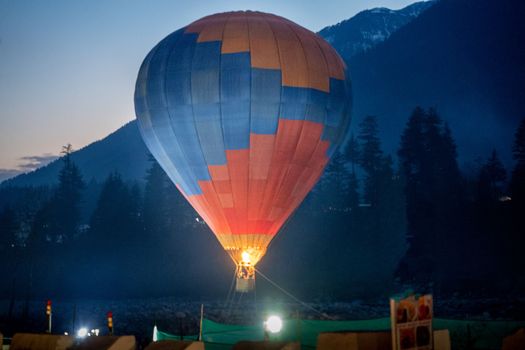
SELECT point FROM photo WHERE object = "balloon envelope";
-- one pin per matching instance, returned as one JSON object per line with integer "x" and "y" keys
{"x": 243, "y": 111}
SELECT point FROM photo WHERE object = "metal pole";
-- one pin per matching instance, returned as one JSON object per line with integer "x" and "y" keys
{"x": 110, "y": 323}
{"x": 49, "y": 316}
{"x": 200, "y": 326}
{"x": 74, "y": 317}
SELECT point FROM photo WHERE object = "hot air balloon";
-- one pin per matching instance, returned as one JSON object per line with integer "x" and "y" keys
{"x": 243, "y": 111}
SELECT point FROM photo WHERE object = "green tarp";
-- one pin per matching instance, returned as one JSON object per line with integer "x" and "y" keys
{"x": 479, "y": 334}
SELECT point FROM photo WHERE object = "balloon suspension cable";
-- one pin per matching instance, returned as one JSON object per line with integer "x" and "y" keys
{"x": 239, "y": 300}
{"x": 255, "y": 300}
{"x": 231, "y": 294}
{"x": 293, "y": 296}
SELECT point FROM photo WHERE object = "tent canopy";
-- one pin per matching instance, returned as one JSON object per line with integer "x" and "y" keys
{"x": 485, "y": 334}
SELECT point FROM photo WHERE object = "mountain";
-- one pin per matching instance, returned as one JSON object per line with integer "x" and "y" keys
{"x": 466, "y": 58}
{"x": 463, "y": 57}
{"x": 122, "y": 151}
{"x": 368, "y": 28}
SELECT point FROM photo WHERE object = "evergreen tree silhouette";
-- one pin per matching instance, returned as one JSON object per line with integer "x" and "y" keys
{"x": 370, "y": 158}
{"x": 335, "y": 183}
{"x": 491, "y": 180}
{"x": 517, "y": 189}
{"x": 155, "y": 207}
{"x": 352, "y": 155}
{"x": 114, "y": 240}
{"x": 9, "y": 227}
{"x": 58, "y": 219}
{"x": 115, "y": 218}
{"x": 381, "y": 220}
{"x": 517, "y": 185}
{"x": 434, "y": 196}
{"x": 68, "y": 196}
{"x": 352, "y": 152}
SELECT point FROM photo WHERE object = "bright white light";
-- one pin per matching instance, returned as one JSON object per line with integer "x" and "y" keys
{"x": 82, "y": 332}
{"x": 246, "y": 258}
{"x": 155, "y": 333}
{"x": 66, "y": 333}
{"x": 274, "y": 324}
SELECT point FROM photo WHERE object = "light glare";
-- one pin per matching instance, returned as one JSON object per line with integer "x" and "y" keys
{"x": 82, "y": 332}
{"x": 245, "y": 257}
{"x": 274, "y": 324}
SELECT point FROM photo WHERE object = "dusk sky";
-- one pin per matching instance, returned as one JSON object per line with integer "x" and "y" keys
{"x": 68, "y": 68}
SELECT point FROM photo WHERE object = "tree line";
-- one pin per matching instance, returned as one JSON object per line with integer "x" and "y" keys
{"x": 137, "y": 239}
{"x": 370, "y": 227}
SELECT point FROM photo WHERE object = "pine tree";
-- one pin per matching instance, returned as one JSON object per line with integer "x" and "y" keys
{"x": 370, "y": 145}
{"x": 450, "y": 164}
{"x": 9, "y": 227}
{"x": 353, "y": 192}
{"x": 411, "y": 155}
{"x": 411, "y": 150}
{"x": 517, "y": 188}
{"x": 352, "y": 152}
{"x": 517, "y": 185}
{"x": 380, "y": 226}
{"x": 491, "y": 229}
{"x": 114, "y": 236}
{"x": 68, "y": 197}
{"x": 115, "y": 220}
{"x": 155, "y": 206}
{"x": 58, "y": 218}
{"x": 371, "y": 158}
{"x": 352, "y": 155}
{"x": 335, "y": 183}
{"x": 135, "y": 234}
{"x": 491, "y": 179}
{"x": 433, "y": 187}
{"x": 389, "y": 218}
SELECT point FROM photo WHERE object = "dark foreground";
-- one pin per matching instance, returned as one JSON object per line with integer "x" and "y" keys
{"x": 175, "y": 316}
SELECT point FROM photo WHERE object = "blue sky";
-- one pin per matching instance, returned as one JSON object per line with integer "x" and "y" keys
{"x": 68, "y": 67}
